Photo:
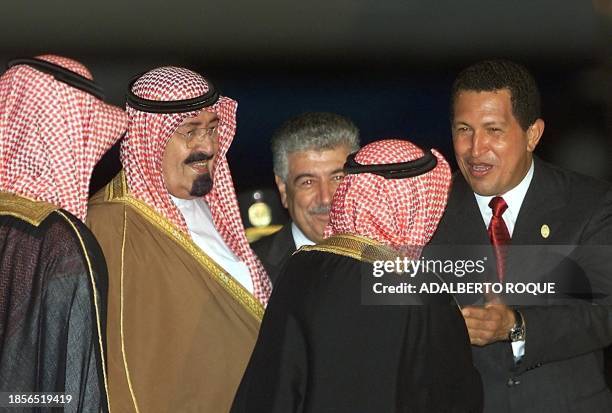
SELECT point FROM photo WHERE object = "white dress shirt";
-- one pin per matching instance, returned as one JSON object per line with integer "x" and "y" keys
{"x": 514, "y": 198}
{"x": 299, "y": 238}
{"x": 203, "y": 232}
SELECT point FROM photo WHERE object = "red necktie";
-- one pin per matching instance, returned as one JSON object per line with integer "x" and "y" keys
{"x": 498, "y": 234}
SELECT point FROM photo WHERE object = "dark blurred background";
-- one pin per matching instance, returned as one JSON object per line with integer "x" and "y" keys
{"x": 388, "y": 65}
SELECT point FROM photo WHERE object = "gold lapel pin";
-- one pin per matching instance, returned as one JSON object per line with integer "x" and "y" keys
{"x": 545, "y": 231}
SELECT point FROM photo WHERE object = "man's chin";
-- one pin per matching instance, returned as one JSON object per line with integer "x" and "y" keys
{"x": 322, "y": 218}
{"x": 318, "y": 236}
{"x": 202, "y": 185}
{"x": 483, "y": 190}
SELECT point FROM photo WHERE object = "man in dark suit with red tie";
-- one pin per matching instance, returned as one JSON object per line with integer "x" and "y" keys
{"x": 532, "y": 358}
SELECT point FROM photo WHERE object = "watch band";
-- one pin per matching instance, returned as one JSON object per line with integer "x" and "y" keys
{"x": 517, "y": 332}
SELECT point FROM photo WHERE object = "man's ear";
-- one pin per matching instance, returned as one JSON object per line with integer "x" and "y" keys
{"x": 534, "y": 133}
{"x": 282, "y": 189}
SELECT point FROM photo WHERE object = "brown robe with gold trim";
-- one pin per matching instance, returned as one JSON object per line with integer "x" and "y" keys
{"x": 180, "y": 329}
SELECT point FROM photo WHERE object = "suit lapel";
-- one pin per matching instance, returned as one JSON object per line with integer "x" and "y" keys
{"x": 282, "y": 246}
{"x": 543, "y": 198}
{"x": 541, "y": 211}
{"x": 463, "y": 224}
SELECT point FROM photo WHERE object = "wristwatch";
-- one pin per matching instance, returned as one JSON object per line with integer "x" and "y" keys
{"x": 517, "y": 332}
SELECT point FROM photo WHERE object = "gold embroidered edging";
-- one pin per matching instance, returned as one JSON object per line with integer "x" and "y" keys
{"x": 119, "y": 194}
{"x": 95, "y": 298}
{"x": 361, "y": 249}
{"x": 123, "y": 352}
{"x": 29, "y": 210}
{"x": 354, "y": 246}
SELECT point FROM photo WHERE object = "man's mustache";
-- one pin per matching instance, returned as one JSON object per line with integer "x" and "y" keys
{"x": 197, "y": 157}
{"x": 320, "y": 209}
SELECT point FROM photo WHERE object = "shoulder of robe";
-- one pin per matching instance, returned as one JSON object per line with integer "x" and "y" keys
{"x": 29, "y": 210}
{"x": 114, "y": 191}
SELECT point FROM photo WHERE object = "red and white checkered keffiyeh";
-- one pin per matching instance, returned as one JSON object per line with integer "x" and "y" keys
{"x": 400, "y": 213}
{"x": 142, "y": 153}
{"x": 52, "y": 135}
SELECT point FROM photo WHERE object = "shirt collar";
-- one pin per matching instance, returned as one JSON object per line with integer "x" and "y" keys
{"x": 191, "y": 209}
{"x": 298, "y": 237}
{"x": 204, "y": 234}
{"x": 183, "y": 203}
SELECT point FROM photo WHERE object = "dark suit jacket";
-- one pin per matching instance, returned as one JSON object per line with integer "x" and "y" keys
{"x": 274, "y": 250}
{"x": 562, "y": 370}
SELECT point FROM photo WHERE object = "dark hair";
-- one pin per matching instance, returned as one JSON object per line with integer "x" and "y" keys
{"x": 491, "y": 75}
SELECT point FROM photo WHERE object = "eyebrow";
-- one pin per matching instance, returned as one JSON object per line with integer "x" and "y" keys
{"x": 311, "y": 175}
{"x": 488, "y": 123}
{"x": 300, "y": 176}
{"x": 198, "y": 123}
{"x": 494, "y": 122}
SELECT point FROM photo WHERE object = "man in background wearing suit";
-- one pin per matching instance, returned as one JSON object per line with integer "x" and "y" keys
{"x": 309, "y": 152}
{"x": 531, "y": 358}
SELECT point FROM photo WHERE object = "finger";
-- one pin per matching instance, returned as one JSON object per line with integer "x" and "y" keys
{"x": 477, "y": 340}
{"x": 481, "y": 337}
{"x": 496, "y": 307}
{"x": 476, "y": 313}
{"x": 493, "y": 299}
{"x": 494, "y": 313}
{"x": 477, "y": 324}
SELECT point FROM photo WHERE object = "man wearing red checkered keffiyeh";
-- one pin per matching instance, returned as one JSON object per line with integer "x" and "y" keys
{"x": 327, "y": 343}
{"x": 388, "y": 210}
{"x": 54, "y": 127}
{"x": 179, "y": 260}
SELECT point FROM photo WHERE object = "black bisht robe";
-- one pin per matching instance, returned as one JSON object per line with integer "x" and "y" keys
{"x": 53, "y": 286}
{"x": 321, "y": 350}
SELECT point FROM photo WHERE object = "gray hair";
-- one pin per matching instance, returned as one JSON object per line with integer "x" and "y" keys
{"x": 311, "y": 131}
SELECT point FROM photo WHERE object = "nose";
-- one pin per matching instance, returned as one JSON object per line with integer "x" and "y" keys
{"x": 325, "y": 192}
{"x": 480, "y": 143}
{"x": 203, "y": 143}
